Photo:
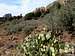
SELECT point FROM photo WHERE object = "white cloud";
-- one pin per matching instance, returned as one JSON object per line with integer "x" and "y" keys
{"x": 25, "y": 7}
{"x": 4, "y": 9}
{"x": 30, "y": 5}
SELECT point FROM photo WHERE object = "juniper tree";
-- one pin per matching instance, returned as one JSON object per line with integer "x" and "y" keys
{"x": 69, "y": 14}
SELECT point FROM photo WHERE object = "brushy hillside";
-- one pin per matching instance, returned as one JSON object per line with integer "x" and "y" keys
{"x": 31, "y": 20}
{"x": 56, "y": 17}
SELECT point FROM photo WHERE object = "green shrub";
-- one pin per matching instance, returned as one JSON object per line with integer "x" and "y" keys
{"x": 42, "y": 44}
{"x": 14, "y": 29}
{"x": 69, "y": 15}
{"x": 29, "y": 16}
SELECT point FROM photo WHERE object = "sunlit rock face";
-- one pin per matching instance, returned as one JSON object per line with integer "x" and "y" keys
{"x": 66, "y": 2}
{"x": 63, "y": 1}
{"x": 41, "y": 9}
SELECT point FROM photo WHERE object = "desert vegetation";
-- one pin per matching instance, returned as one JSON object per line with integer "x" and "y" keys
{"x": 46, "y": 31}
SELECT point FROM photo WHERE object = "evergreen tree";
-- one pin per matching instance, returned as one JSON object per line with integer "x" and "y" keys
{"x": 69, "y": 14}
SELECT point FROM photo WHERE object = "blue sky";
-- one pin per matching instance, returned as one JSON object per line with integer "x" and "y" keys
{"x": 11, "y": 2}
{"x": 17, "y": 7}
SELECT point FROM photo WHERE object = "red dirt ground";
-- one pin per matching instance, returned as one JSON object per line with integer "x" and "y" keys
{"x": 8, "y": 42}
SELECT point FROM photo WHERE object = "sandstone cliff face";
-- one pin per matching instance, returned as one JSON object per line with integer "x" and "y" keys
{"x": 61, "y": 1}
